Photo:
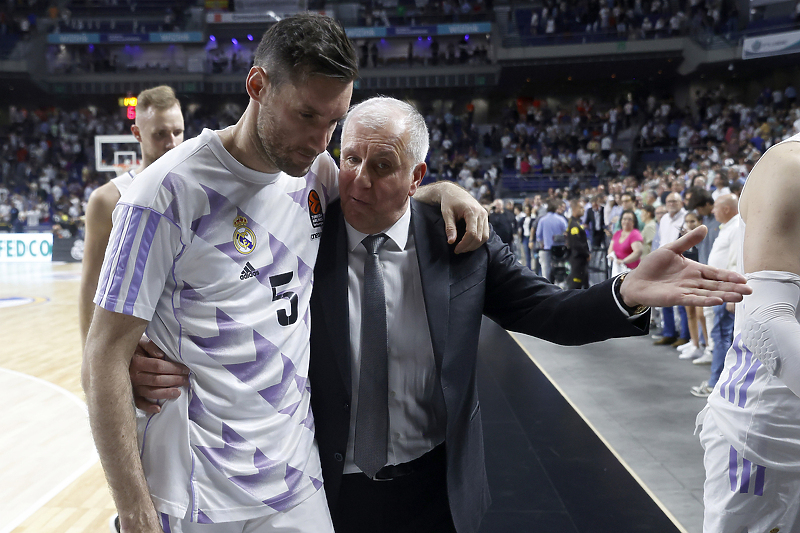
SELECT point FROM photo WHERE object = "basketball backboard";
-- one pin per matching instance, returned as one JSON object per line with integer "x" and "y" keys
{"x": 116, "y": 153}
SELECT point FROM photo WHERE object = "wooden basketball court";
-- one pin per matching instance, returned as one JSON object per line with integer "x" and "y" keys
{"x": 52, "y": 481}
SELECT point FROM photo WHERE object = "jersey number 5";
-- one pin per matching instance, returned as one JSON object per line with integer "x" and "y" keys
{"x": 277, "y": 281}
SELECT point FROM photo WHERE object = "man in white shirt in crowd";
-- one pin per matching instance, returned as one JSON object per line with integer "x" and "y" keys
{"x": 669, "y": 229}
{"x": 724, "y": 254}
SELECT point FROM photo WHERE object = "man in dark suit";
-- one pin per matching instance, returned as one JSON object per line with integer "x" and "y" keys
{"x": 594, "y": 223}
{"x": 430, "y": 474}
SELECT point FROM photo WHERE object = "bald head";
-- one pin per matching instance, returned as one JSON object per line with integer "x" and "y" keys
{"x": 726, "y": 207}
{"x": 674, "y": 203}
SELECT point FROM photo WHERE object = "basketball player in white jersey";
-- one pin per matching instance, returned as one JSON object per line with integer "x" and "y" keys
{"x": 212, "y": 253}
{"x": 159, "y": 128}
{"x": 751, "y": 425}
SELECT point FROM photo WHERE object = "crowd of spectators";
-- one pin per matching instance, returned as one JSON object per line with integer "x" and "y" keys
{"x": 630, "y": 19}
{"x": 422, "y": 12}
{"x": 47, "y": 155}
{"x": 729, "y": 128}
{"x": 532, "y": 139}
{"x": 47, "y": 163}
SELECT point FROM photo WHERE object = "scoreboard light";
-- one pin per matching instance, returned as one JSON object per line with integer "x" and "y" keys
{"x": 129, "y": 102}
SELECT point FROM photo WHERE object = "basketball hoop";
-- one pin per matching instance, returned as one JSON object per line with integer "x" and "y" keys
{"x": 116, "y": 153}
{"x": 122, "y": 168}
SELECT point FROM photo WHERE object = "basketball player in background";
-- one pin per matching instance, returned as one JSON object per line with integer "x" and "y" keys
{"x": 158, "y": 128}
{"x": 751, "y": 429}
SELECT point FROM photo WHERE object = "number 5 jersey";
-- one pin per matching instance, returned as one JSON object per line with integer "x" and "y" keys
{"x": 219, "y": 258}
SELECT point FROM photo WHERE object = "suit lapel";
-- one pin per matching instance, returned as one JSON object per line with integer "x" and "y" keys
{"x": 331, "y": 283}
{"x": 433, "y": 257}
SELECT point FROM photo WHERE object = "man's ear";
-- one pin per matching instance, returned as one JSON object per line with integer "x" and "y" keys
{"x": 257, "y": 83}
{"x": 416, "y": 178}
{"x": 136, "y": 133}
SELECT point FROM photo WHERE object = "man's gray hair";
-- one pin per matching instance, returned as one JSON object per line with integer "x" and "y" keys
{"x": 379, "y": 111}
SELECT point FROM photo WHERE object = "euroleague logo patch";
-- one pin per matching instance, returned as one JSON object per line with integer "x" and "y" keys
{"x": 244, "y": 240}
{"x": 315, "y": 209}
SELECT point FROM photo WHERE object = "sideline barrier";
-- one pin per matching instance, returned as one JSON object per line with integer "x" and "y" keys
{"x": 26, "y": 247}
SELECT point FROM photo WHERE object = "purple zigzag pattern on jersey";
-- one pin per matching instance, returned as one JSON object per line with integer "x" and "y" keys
{"x": 205, "y": 226}
{"x": 250, "y": 371}
{"x": 268, "y": 471}
{"x": 287, "y": 499}
{"x": 219, "y": 345}
{"x": 202, "y": 518}
{"x": 235, "y": 448}
{"x": 176, "y": 185}
{"x": 290, "y": 410}
{"x": 196, "y": 409}
{"x": 316, "y": 482}
{"x": 326, "y": 197}
{"x": 301, "y": 197}
{"x": 189, "y": 296}
{"x": 279, "y": 252}
{"x": 308, "y": 421}
{"x": 275, "y": 393}
{"x": 301, "y": 382}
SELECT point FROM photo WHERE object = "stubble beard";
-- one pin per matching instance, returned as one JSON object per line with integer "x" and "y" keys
{"x": 273, "y": 151}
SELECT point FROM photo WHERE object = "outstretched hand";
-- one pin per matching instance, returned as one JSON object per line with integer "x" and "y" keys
{"x": 154, "y": 378}
{"x": 665, "y": 278}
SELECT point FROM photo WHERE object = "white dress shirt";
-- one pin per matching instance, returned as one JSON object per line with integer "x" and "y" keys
{"x": 725, "y": 250}
{"x": 669, "y": 228}
{"x": 416, "y": 404}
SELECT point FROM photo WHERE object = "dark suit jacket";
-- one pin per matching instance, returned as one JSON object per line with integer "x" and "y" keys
{"x": 596, "y": 231}
{"x": 458, "y": 289}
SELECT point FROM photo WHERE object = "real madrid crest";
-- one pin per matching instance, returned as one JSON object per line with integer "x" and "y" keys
{"x": 244, "y": 240}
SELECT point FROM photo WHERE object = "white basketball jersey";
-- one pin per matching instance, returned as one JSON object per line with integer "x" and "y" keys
{"x": 123, "y": 181}
{"x": 754, "y": 410}
{"x": 219, "y": 258}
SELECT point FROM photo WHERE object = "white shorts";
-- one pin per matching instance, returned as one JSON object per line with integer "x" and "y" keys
{"x": 741, "y": 496}
{"x": 311, "y": 516}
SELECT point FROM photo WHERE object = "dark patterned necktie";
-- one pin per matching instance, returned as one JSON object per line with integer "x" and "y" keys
{"x": 372, "y": 415}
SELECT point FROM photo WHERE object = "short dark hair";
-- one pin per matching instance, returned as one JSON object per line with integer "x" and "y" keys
{"x": 635, "y": 218}
{"x": 303, "y": 45}
{"x": 699, "y": 198}
{"x": 650, "y": 209}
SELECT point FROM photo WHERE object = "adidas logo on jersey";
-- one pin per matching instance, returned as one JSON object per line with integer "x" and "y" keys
{"x": 248, "y": 271}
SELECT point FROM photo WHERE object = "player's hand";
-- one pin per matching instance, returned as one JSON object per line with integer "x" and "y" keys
{"x": 458, "y": 204}
{"x": 154, "y": 378}
{"x": 665, "y": 278}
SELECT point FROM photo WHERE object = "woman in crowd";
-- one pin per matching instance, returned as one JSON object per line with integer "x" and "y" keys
{"x": 625, "y": 250}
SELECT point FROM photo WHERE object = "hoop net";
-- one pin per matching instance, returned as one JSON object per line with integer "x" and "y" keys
{"x": 122, "y": 168}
